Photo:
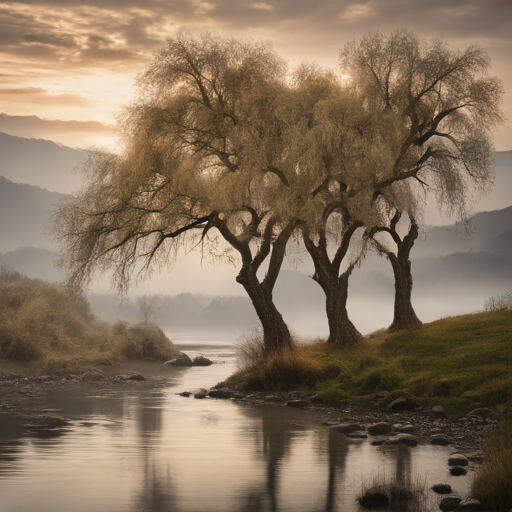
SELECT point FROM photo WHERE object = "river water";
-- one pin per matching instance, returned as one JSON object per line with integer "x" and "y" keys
{"x": 141, "y": 448}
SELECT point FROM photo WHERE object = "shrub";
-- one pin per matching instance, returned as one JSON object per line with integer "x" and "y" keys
{"x": 146, "y": 341}
{"x": 492, "y": 483}
{"x": 409, "y": 495}
{"x": 53, "y": 324}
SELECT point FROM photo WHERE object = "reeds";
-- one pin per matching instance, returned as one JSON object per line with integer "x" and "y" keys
{"x": 492, "y": 484}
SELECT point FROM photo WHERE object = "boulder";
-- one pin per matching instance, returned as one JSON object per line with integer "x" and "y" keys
{"x": 357, "y": 435}
{"x": 223, "y": 393}
{"x": 458, "y": 471}
{"x": 135, "y": 376}
{"x": 469, "y": 505}
{"x": 347, "y": 428}
{"x": 442, "y": 488}
{"x": 439, "y": 439}
{"x": 378, "y": 441}
{"x": 201, "y": 361}
{"x": 483, "y": 412}
{"x": 457, "y": 459}
{"x": 405, "y": 429}
{"x": 438, "y": 411}
{"x": 449, "y": 503}
{"x": 201, "y": 393}
{"x": 92, "y": 375}
{"x": 407, "y": 439}
{"x": 400, "y": 401}
{"x": 180, "y": 360}
{"x": 378, "y": 429}
{"x": 185, "y": 393}
{"x": 296, "y": 403}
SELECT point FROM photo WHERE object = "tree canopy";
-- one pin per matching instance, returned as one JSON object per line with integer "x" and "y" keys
{"x": 226, "y": 151}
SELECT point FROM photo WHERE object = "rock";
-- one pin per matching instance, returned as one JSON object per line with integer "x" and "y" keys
{"x": 407, "y": 439}
{"x": 185, "y": 393}
{"x": 378, "y": 441}
{"x": 135, "y": 376}
{"x": 468, "y": 505}
{"x": 400, "y": 401}
{"x": 223, "y": 393}
{"x": 458, "y": 471}
{"x": 457, "y": 459}
{"x": 347, "y": 428}
{"x": 405, "y": 429}
{"x": 442, "y": 488}
{"x": 438, "y": 411}
{"x": 92, "y": 375}
{"x": 201, "y": 361}
{"x": 201, "y": 393}
{"x": 296, "y": 403}
{"x": 357, "y": 435}
{"x": 449, "y": 503}
{"x": 439, "y": 439}
{"x": 483, "y": 412}
{"x": 180, "y": 360}
{"x": 378, "y": 429}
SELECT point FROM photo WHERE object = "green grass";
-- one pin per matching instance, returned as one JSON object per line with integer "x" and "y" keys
{"x": 447, "y": 362}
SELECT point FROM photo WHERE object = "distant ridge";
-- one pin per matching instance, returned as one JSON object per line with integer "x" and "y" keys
{"x": 39, "y": 162}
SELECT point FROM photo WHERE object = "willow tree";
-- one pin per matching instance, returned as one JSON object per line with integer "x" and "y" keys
{"x": 204, "y": 164}
{"x": 333, "y": 131}
{"x": 439, "y": 107}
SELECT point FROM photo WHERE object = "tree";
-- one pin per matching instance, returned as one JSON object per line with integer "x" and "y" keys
{"x": 204, "y": 165}
{"x": 404, "y": 314}
{"x": 147, "y": 308}
{"x": 439, "y": 107}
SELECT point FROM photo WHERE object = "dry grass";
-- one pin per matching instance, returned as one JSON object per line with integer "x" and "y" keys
{"x": 283, "y": 370}
{"x": 380, "y": 492}
{"x": 53, "y": 326}
{"x": 492, "y": 485}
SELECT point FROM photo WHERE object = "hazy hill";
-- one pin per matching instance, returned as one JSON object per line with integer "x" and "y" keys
{"x": 24, "y": 211}
{"x": 33, "y": 262}
{"x": 39, "y": 162}
{"x": 443, "y": 240}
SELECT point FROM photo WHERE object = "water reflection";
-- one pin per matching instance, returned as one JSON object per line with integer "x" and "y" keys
{"x": 139, "y": 448}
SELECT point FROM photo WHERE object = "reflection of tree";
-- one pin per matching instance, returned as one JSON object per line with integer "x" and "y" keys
{"x": 156, "y": 493}
{"x": 273, "y": 442}
{"x": 403, "y": 465}
{"x": 338, "y": 450}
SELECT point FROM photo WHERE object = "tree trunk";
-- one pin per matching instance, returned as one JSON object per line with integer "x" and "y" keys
{"x": 404, "y": 314}
{"x": 342, "y": 332}
{"x": 276, "y": 335}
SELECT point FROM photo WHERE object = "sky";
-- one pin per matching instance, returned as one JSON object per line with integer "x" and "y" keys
{"x": 76, "y": 60}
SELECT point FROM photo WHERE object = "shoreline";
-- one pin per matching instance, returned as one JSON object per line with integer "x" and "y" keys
{"x": 26, "y": 392}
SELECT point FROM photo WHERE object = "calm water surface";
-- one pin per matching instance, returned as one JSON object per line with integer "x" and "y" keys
{"x": 136, "y": 448}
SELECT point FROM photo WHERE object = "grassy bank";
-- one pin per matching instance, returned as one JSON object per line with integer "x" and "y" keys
{"x": 492, "y": 483}
{"x": 53, "y": 328}
{"x": 449, "y": 362}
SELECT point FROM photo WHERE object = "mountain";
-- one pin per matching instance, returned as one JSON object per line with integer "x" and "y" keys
{"x": 442, "y": 240}
{"x": 39, "y": 162}
{"x": 34, "y": 262}
{"x": 24, "y": 214}
{"x": 71, "y": 133}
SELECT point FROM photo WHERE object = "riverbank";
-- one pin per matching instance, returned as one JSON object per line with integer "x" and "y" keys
{"x": 28, "y": 392}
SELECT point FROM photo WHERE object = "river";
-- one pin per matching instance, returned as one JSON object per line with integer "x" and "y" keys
{"x": 141, "y": 448}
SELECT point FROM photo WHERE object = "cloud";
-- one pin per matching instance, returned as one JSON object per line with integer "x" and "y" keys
{"x": 261, "y": 6}
{"x": 38, "y": 95}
